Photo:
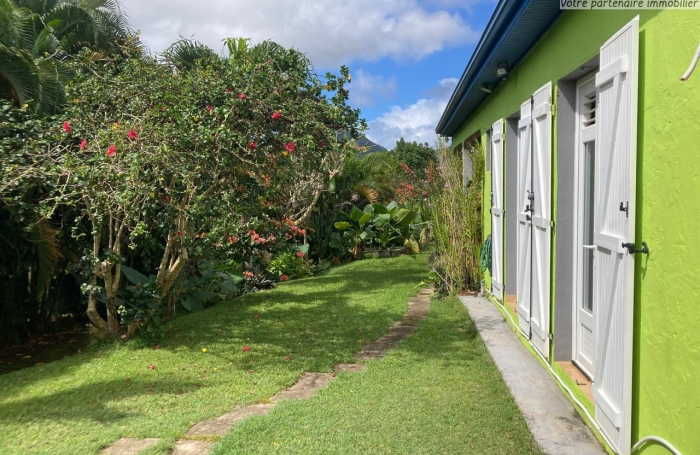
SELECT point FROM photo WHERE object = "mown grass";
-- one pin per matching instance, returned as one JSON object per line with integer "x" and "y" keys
{"x": 438, "y": 393}
{"x": 83, "y": 403}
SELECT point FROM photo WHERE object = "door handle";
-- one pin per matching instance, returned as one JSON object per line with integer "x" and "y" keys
{"x": 631, "y": 248}
{"x": 589, "y": 247}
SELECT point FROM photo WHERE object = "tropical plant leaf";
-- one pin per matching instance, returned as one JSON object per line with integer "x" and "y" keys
{"x": 342, "y": 225}
{"x": 134, "y": 276}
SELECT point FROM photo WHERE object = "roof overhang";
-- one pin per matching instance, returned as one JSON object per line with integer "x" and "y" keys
{"x": 515, "y": 27}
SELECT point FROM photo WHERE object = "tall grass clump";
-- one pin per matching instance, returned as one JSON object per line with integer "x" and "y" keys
{"x": 456, "y": 214}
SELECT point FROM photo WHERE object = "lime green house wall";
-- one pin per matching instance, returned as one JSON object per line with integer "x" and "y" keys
{"x": 666, "y": 396}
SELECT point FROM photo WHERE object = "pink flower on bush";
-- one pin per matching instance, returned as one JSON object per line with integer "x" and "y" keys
{"x": 300, "y": 254}
{"x": 229, "y": 90}
{"x": 290, "y": 146}
{"x": 66, "y": 127}
{"x": 276, "y": 115}
{"x": 83, "y": 144}
{"x": 284, "y": 278}
{"x": 260, "y": 240}
{"x": 323, "y": 143}
{"x": 252, "y": 145}
{"x": 248, "y": 274}
{"x": 246, "y": 348}
{"x": 210, "y": 108}
{"x": 112, "y": 150}
{"x": 242, "y": 96}
{"x": 132, "y": 134}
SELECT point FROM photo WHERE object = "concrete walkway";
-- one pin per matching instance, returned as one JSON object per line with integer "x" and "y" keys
{"x": 551, "y": 418}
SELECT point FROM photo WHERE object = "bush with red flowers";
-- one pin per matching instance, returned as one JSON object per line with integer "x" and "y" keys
{"x": 153, "y": 158}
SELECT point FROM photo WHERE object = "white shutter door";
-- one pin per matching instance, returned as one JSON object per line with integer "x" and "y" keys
{"x": 541, "y": 216}
{"x": 497, "y": 210}
{"x": 524, "y": 221}
{"x": 613, "y": 282}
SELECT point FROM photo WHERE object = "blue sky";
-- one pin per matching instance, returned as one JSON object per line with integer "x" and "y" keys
{"x": 405, "y": 56}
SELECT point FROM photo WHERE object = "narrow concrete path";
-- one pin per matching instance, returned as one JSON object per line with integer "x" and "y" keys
{"x": 199, "y": 440}
{"x": 551, "y": 418}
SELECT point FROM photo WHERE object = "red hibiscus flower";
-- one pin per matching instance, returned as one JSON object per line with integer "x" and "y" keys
{"x": 284, "y": 278}
{"x": 132, "y": 134}
{"x": 83, "y": 144}
{"x": 229, "y": 90}
{"x": 300, "y": 254}
{"x": 252, "y": 145}
{"x": 210, "y": 108}
{"x": 248, "y": 274}
{"x": 290, "y": 146}
{"x": 246, "y": 349}
{"x": 276, "y": 115}
{"x": 112, "y": 150}
{"x": 323, "y": 143}
{"x": 152, "y": 367}
{"x": 66, "y": 127}
{"x": 242, "y": 96}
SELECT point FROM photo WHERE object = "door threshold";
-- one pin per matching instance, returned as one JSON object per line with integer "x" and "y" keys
{"x": 582, "y": 381}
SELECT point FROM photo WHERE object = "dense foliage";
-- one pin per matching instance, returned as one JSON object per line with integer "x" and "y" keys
{"x": 152, "y": 161}
{"x": 457, "y": 219}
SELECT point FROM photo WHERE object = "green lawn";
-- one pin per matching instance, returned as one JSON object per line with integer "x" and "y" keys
{"x": 82, "y": 403}
{"x": 438, "y": 393}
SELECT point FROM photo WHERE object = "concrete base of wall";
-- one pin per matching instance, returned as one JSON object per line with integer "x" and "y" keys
{"x": 552, "y": 419}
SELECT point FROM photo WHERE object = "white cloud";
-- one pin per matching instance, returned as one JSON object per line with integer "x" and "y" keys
{"x": 415, "y": 122}
{"x": 328, "y": 31}
{"x": 366, "y": 88}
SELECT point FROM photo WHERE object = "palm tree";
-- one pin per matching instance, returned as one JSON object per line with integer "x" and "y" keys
{"x": 38, "y": 36}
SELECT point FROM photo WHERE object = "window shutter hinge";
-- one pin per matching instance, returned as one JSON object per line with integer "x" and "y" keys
{"x": 552, "y": 224}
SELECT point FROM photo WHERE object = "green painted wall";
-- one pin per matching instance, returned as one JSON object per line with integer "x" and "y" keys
{"x": 666, "y": 398}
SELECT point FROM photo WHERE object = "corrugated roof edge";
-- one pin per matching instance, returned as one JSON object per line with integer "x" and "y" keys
{"x": 505, "y": 16}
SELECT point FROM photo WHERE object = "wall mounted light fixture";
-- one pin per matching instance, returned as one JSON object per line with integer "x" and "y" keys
{"x": 502, "y": 70}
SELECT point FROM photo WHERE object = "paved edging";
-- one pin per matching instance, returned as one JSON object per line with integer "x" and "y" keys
{"x": 199, "y": 439}
{"x": 552, "y": 419}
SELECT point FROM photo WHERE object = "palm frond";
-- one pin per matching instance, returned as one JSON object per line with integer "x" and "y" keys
{"x": 18, "y": 75}
{"x": 48, "y": 254}
{"x": 185, "y": 54}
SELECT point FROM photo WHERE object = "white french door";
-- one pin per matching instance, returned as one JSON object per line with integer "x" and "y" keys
{"x": 584, "y": 254}
{"x": 497, "y": 210}
{"x": 524, "y": 217}
{"x": 614, "y": 225}
{"x": 541, "y": 216}
{"x": 534, "y": 216}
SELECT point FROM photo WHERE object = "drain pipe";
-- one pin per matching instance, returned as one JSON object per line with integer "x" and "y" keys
{"x": 661, "y": 441}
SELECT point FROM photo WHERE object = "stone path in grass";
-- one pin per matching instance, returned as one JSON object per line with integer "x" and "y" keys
{"x": 202, "y": 436}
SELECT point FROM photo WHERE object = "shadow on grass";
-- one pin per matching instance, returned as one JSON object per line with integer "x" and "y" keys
{"x": 70, "y": 404}
{"x": 305, "y": 325}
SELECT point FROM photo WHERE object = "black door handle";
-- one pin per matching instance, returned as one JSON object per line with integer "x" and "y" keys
{"x": 631, "y": 248}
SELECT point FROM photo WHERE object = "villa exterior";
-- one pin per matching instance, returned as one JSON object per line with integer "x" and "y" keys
{"x": 592, "y": 201}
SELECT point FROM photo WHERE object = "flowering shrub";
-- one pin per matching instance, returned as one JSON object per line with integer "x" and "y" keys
{"x": 179, "y": 165}
{"x": 290, "y": 265}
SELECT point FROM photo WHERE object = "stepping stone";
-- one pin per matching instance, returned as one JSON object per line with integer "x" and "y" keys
{"x": 221, "y": 425}
{"x": 305, "y": 387}
{"x": 350, "y": 367}
{"x": 129, "y": 446}
{"x": 417, "y": 310}
{"x": 192, "y": 448}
